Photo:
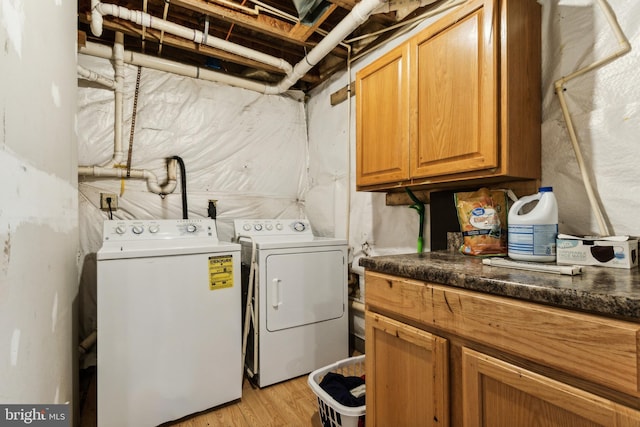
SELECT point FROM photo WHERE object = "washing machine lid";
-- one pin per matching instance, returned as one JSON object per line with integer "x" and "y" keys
{"x": 150, "y": 238}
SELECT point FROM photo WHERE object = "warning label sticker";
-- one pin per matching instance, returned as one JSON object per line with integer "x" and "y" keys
{"x": 220, "y": 272}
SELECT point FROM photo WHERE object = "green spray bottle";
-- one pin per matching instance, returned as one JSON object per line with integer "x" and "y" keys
{"x": 419, "y": 207}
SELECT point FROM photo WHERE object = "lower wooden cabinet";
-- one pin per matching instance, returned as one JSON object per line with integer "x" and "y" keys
{"x": 440, "y": 356}
{"x": 407, "y": 375}
{"x": 499, "y": 394}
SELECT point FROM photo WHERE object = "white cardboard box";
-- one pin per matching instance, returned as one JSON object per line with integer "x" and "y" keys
{"x": 612, "y": 251}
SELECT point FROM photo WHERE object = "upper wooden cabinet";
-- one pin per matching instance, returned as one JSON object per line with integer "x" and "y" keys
{"x": 383, "y": 119}
{"x": 459, "y": 103}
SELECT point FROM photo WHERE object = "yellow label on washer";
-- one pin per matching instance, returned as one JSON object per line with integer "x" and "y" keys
{"x": 220, "y": 272}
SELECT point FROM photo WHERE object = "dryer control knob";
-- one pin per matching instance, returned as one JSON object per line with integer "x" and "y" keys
{"x": 278, "y": 226}
{"x": 268, "y": 226}
{"x": 137, "y": 229}
{"x": 154, "y": 229}
{"x": 121, "y": 229}
{"x": 258, "y": 227}
{"x": 299, "y": 226}
{"x": 191, "y": 228}
{"x": 246, "y": 227}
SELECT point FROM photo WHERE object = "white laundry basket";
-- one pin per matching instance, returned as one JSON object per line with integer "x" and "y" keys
{"x": 332, "y": 413}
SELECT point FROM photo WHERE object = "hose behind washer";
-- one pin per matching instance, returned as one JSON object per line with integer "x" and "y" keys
{"x": 183, "y": 186}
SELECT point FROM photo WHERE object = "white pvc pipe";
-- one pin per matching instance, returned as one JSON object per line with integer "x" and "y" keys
{"x": 559, "y": 86}
{"x": 111, "y": 168}
{"x": 88, "y": 342}
{"x": 161, "y": 64}
{"x": 96, "y": 19}
{"x": 150, "y": 177}
{"x": 355, "y": 18}
{"x": 95, "y": 77}
{"x": 197, "y": 36}
{"x": 118, "y": 57}
{"x": 356, "y": 306}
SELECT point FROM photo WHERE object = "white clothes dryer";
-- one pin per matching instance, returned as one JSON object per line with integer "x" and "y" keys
{"x": 297, "y": 319}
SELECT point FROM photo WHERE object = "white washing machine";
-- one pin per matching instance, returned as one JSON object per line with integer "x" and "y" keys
{"x": 299, "y": 317}
{"x": 169, "y": 321}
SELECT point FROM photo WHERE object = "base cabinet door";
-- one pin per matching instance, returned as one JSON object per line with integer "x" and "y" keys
{"x": 499, "y": 394}
{"x": 406, "y": 374}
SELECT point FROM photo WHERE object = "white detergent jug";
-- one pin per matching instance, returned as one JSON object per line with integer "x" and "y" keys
{"x": 532, "y": 235}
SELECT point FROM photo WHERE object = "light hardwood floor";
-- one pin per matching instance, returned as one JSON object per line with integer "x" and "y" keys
{"x": 290, "y": 403}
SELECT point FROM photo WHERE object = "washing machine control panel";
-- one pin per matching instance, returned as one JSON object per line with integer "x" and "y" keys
{"x": 120, "y": 230}
{"x": 272, "y": 227}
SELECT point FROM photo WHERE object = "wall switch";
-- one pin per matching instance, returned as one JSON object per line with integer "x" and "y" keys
{"x": 104, "y": 201}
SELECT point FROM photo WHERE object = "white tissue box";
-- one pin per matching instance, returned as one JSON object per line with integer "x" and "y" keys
{"x": 612, "y": 251}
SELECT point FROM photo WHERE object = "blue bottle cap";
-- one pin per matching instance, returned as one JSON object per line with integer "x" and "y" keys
{"x": 545, "y": 189}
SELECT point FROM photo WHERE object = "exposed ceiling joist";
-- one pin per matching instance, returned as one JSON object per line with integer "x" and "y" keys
{"x": 152, "y": 35}
{"x": 268, "y": 27}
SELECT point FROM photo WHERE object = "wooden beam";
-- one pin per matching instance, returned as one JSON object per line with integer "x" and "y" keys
{"x": 345, "y": 4}
{"x": 302, "y": 32}
{"x": 82, "y": 39}
{"x": 341, "y": 94}
{"x": 296, "y": 34}
{"x": 177, "y": 42}
{"x": 261, "y": 23}
{"x": 180, "y": 43}
{"x": 520, "y": 188}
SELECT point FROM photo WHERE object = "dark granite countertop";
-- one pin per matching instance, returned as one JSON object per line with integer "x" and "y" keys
{"x": 611, "y": 292}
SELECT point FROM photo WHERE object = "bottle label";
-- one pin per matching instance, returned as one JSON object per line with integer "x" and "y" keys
{"x": 538, "y": 240}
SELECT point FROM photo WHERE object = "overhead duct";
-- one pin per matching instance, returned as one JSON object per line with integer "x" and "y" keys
{"x": 310, "y": 10}
{"x": 358, "y": 15}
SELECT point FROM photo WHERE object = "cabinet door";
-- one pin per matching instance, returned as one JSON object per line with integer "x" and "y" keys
{"x": 382, "y": 119}
{"x": 456, "y": 92}
{"x": 406, "y": 375}
{"x": 499, "y": 394}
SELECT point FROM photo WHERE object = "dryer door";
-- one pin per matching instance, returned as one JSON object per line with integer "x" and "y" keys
{"x": 304, "y": 288}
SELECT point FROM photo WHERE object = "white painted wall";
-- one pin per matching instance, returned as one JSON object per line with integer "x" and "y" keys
{"x": 38, "y": 200}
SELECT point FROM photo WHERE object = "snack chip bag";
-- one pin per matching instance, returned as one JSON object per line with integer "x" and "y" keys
{"x": 482, "y": 216}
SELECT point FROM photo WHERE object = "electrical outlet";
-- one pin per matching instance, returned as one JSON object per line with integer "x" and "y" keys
{"x": 104, "y": 202}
